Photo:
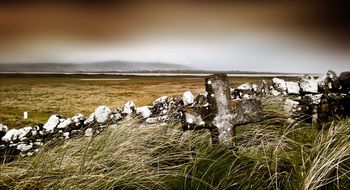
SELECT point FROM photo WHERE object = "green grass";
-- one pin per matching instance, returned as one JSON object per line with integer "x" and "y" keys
{"x": 270, "y": 155}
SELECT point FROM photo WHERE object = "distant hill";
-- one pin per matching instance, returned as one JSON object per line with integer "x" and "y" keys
{"x": 110, "y": 66}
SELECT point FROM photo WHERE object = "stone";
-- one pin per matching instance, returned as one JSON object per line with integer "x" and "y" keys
{"x": 102, "y": 114}
{"x": 220, "y": 119}
{"x": 66, "y": 135}
{"x": 3, "y": 130}
{"x": 279, "y": 84}
{"x": 275, "y": 93}
{"x": 308, "y": 84}
{"x": 344, "y": 80}
{"x": 290, "y": 106}
{"x": 88, "y": 132}
{"x": 292, "y": 87}
{"x": 64, "y": 124}
{"x": 245, "y": 86}
{"x": 246, "y": 111}
{"x": 265, "y": 88}
{"x": 188, "y": 98}
{"x": 151, "y": 120}
{"x": 24, "y": 147}
{"x": 129, "y": 107}
{"x": 52, "y": 123}
{"x": 144, "y": 111}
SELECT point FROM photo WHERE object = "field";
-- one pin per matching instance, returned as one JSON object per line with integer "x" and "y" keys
{"x": 271, "y": 154}
{"x": 43, "y": 95}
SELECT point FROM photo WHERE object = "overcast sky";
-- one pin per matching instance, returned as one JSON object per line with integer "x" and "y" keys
{"x": 241, "y": 36}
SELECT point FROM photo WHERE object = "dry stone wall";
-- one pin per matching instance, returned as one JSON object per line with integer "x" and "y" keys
{"x": 219, "y": 110}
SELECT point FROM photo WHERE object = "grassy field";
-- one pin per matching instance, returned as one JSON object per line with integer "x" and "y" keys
{"x": 270, "y": 154}
{"x": 44, "y": 95}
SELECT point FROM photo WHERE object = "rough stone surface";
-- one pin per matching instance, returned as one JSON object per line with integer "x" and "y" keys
{"x": 308, "y": 84}
{"x": 129, "y": 107}
{"x": 246, "y": 111}
{"x": 221, "y": 113}
{"x": 275, "y": 92}
{"x": 52, "y": 123}
{"x": 344, "y": 80}
{"x": 292, "y": 87}
{"x": 279, "y": 84}
{"x": 88, "y": 132}
{"x": 144, "y": 111}
{"x": 188, "y": 98}
{"x": 102, "y": 114}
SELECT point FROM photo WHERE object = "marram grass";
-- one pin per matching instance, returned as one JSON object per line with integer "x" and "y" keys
{"x": 269, "y": 155}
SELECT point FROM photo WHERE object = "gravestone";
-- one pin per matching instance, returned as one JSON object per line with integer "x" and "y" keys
{"x": 221, "y": 114}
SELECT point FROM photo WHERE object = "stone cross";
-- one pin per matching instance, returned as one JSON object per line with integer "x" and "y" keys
{"x": 221, "y": 114}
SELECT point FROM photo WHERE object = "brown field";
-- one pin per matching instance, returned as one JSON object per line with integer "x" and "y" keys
{"x": 44, "y": 95}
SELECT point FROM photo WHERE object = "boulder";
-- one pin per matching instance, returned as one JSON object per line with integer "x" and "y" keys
{"x": 290, "y": 107}
{"x": 344, "y": 80}
{"x": 144, "y": 111}
{"x": 160, "y": 106}
{"x": 88, "y": 132}
{"x": 308, "y": 84}
{"x": 246, "y": 111}
{"x": 292, "y": 87}
{"x": 3, "y": 130}
{"x": 129, "y": 108}
{"x": 188, "y": 98}
{"x": 52, "y": 123}
{"x": 279, "y": 84}
{"x": 102, "y": 114}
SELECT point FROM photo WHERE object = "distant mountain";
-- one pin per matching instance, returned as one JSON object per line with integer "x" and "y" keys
{"x": 110, "y": 66}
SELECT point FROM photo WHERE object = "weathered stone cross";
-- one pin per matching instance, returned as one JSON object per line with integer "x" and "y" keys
{"x": 221, "y": 114}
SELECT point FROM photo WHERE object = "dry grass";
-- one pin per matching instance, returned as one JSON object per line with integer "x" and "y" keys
{"x": 271, "y": 155}
{"x": 43, "y": 96}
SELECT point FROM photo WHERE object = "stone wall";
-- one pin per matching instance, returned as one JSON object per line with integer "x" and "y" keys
{"x": 219, "y": 109}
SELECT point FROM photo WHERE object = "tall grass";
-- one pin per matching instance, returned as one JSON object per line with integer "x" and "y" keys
{"x": 269, "y": 155}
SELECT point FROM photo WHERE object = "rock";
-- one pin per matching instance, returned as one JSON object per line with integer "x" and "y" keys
{"x": 188, "y": 98}
{"x": 88, "y": 132}
{"x": 90, "y": 119}
{"x": 279, "y": 84}
{"x": 52, "y": 123}
{"x": 129, "y": 107}
{"x": 11, "y": 135}
{"x": 245, "y": 86}
{"x": 78, "y": 119}
{"x": 333, "y": 82}
{"x": 221, "y": 113}
{"x": 151, "y": 120}
{"x": 160, "y": 106}
{"x": 160, "y": 101}
{"x": 201, "y": 99}
{"x": 290, "y": 106}
{"x": 265, "y": 88}
{"x": 246, "y": 111}
{"x": 23, "y": 132}
{"x": 344, "y": 80}
{"x": 275, "y": 92}
{"x": 314, "y": 99}
{"x": 192, "y": 118}
{"x": 102, "y": 114}
{"x": 3, "y": 130}
{"x": 308, "y": 84}
{"x": 64, "y": 124}
{"x": 144, "y": 111}
{"x": 292, "y": 87}
{"x": 66, "y": 135}
{"x": 24, "y": 147}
